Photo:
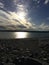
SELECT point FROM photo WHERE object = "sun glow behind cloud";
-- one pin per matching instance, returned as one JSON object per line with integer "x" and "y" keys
{"x": 19, "y": 15}
{"x": 22, "y": 21}
{"x": 23, "y": 14}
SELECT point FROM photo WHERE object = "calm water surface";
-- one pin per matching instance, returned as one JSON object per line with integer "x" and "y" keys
{"x": 16, "y": 35}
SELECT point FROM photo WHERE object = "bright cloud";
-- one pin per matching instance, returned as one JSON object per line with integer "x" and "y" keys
{"x": 1, "y": 5}
{"x": 10, "y": 21}
{"x": 6, "y": 21}
{"x": 22, "y": 16}
{"x": 44, "y": 26}
{"x": 13, "y": 21}
{"x": 46, "y": 1}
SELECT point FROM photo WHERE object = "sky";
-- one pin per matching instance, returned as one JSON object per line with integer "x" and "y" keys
{"x": 24, "y": 15}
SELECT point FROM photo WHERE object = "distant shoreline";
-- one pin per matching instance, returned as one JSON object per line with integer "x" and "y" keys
{"x": 24, "y": 31}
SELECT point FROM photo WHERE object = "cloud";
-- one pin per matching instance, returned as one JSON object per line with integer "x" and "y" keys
{"x": 37, "y": 1}
{"x": 13, "y": 20}
{"x": 19, "y": 19}
{"x": 47, "y": 18}
{"x": 1, "y": 5}
{"x": 41, "y": 27}
{"x": 3, "y": 28}
{"x": 6, "y": 18}
{"x": 46, "y": 1}
{"x": 44, "y": 26}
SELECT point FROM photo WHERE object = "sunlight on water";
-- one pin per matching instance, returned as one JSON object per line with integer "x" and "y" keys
{"x": 21, "y": 34}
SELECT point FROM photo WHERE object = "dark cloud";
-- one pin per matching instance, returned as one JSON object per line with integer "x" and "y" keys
{"x": 5, "y": 16}
{"x": 36, "y": 12}
{"x": 16, "y": 20}
{"x": 5, "y": 10}
{"x": 3, "y": 27}
{"x": 21, "y": 27}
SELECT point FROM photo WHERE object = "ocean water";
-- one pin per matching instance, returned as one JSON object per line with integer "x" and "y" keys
{"x": 20, "y": 35}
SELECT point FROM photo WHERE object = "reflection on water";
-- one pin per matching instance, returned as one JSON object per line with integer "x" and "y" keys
{"x": 21, "y": 34}
{"x": 15, "y": 35}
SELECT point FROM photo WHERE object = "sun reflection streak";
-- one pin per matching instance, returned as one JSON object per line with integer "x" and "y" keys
{"x": 21, "y": 34}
